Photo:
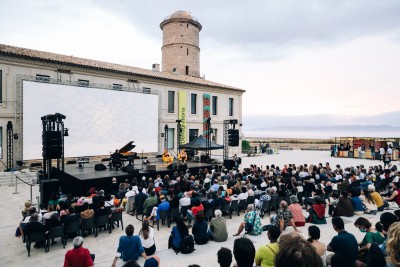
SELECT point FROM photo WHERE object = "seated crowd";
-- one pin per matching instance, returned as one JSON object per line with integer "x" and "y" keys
{"x": 206, "y": 197}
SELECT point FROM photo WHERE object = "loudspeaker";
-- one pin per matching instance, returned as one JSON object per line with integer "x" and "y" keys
{"x": 100, "y": 167}
{"x": 52, "y": 144}
{"x": 233, "y": 137}
{"x": 48, "y": 187}
{"x": 229, "y": 164}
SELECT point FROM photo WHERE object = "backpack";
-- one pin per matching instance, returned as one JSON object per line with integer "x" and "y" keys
{"x": 187, "y": 245}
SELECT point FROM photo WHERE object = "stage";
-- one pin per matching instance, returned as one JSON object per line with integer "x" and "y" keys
{"x": 78, "y": 180}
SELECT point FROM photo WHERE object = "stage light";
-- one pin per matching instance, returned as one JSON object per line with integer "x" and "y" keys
{"x": 66, "y": 132}
{"x": 16, "y": 136}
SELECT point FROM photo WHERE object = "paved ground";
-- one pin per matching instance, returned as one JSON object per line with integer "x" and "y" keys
{"x": 14, "y": 253}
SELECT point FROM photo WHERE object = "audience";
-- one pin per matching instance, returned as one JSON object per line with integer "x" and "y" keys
{"x": 253, "y": 219}
{"x": 199, "y": 230}
{"x": 146, "y": 235}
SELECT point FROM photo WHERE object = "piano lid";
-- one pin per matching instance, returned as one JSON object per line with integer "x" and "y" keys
{"x": 128, "y": 147}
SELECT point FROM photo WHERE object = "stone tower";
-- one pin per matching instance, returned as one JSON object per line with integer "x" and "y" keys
{"x": 180, "y": 50}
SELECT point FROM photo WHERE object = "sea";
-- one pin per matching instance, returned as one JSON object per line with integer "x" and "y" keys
{"x": 318, "y": 134}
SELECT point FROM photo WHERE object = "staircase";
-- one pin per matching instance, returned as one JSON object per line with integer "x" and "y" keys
{"x": 8, "y": 178}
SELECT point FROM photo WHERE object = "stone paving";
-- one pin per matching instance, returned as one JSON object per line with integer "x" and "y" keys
{"x": 13, "y": 252}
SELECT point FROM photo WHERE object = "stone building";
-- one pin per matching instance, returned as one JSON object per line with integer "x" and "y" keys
{"x": 183, "y": 94}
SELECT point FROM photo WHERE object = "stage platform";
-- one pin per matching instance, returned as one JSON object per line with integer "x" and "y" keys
{"x": 78, "y": 181}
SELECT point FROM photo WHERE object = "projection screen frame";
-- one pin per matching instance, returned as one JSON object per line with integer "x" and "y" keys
{"x": 19, "y": 112}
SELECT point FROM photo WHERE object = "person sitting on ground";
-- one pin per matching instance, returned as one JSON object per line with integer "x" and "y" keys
{"x": 218, "y": 231}
{"x": 297, "y": 211}
{"x": 224, "y": 257}
{"x": 368, "y": 202}
{"x": 313, "y": 237}
{"x": 87, "y": 212}
{"x": 244, "y": 252}
{"x": 253, "y": 218}
{"x": 265, "y": 255}
{"x": 376, "y": 197}
{"x": 294, "y": 250}
{"x": 344, "y": 244}
{"x": 146, "y": 235}
{"x": 356, "y": 201}
{"x": 371, "y": 236}
{"x": 283, "y": 218}
{"x": 78, "y": 256}
{"x": 177, "y": 234}
{"x": 395, "y": 196}
{"x": 129, "y": 246}
{"x": 199, "y": 230}
{"x": 344, "y": 206}
{"x": 317, "y": 212}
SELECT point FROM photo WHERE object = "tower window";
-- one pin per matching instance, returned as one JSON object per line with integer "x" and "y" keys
{"x": 187, "y": 70}
{"x": 187, "y": 51}
{"x": 187, "y": 25}
{"x": 181, "y": 35}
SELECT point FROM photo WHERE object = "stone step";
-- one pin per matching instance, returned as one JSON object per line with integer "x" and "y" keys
{"x": 8, "y": 178}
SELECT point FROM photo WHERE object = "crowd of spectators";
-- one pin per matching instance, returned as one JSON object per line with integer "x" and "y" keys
{"x": 207, "y": 196}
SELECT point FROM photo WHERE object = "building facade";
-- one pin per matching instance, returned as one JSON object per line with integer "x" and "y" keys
{"x": 185, "y": 97}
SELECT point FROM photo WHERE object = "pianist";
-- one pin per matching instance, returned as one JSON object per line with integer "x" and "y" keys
{"x": 116, "y": 159}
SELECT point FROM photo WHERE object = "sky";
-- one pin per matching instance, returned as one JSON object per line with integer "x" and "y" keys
{"x": 308, "y": 59}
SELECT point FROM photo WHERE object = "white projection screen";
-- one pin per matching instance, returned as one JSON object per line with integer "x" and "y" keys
{"x": 99, "y": 120}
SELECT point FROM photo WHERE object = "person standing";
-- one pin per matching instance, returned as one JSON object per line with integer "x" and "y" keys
{"x": 343, "y": 244}
{"x": 78, "y": 256}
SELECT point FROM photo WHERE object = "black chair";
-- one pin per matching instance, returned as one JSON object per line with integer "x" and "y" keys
{"x": 184, "y": 210}
{"x": 148, "y": 211}
{"x": 89, "y": 224}
{"x": 242, "y": 205}
{"x": 139, "y": 208}
{"x": 71, "y": 228}
{"x": 116, "y": 217}
{"x": 265, "y": 208}
{"x": 250, "y": 200}
{"x": 174, "y": 213}
{"x": 36, "y": 237}
{"x": 54, "y": 232}
{"x": 235, "y": 206}
{"x": 103, "y": 221}
{"x": 164, "y": 215}
{"x": 226, "y": 209}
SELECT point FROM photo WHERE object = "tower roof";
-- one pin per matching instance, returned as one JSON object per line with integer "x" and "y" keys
{"x": 181, "y": 15}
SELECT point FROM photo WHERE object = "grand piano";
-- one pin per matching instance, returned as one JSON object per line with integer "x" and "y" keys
{"x": 124, "y": 155}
